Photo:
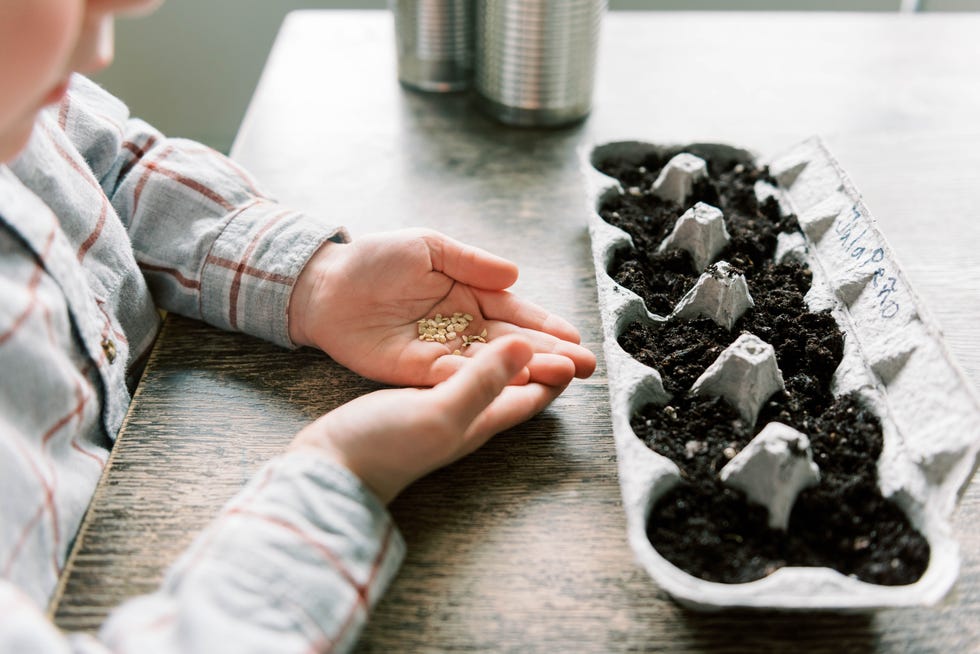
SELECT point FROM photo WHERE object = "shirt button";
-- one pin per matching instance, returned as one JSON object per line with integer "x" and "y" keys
{"x": 109, "y": 347}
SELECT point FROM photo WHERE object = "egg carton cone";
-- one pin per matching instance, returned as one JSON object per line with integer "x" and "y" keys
{"x": 894, "y": 357}
{"x": 720, "y": 293}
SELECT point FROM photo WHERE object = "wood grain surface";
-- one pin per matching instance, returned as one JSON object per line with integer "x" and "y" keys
{"x": 521, "y": 547}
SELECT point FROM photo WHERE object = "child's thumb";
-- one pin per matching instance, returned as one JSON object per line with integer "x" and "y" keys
{"x": 476, "y": 385}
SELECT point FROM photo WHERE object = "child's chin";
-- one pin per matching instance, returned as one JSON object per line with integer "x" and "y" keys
{"x": 57, "y": 94}
{"x": 13, "y": 141}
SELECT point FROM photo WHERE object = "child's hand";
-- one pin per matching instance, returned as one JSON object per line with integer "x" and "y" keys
{"x": 360, "y": 302}
{"x": 392, "y": 437}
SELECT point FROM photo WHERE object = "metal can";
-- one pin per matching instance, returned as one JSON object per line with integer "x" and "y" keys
{"x": 535, "y": 59}
{"x": 434, "y": 41}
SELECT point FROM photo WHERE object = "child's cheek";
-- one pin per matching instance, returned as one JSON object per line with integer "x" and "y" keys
{"x": 39, "y": 36}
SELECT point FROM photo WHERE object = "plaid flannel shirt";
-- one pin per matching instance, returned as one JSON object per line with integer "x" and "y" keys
{"x": 102, "y": 220}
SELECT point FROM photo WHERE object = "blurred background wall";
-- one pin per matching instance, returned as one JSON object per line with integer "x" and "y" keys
{"x": 191, "y": 67}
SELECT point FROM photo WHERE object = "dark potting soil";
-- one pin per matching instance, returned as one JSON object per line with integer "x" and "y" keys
{"x": 702, "y": 526}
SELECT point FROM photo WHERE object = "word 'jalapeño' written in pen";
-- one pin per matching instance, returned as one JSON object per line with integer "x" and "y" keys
{"x": 851, "y": 234}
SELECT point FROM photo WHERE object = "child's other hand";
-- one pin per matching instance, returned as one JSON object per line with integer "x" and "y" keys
{"x": 360, "y": 302}
{"x": 392, "y": 437}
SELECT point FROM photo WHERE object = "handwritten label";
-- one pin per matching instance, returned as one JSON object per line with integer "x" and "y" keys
{"x": 857, "y": 239}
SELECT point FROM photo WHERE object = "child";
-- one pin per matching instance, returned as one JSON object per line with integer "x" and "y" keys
{"x": 102, "y": 220}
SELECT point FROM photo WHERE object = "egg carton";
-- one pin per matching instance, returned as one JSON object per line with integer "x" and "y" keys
{"x": 894, "y": 356}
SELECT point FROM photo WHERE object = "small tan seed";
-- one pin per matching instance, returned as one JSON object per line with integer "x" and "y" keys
{"x": 445, "y": 329}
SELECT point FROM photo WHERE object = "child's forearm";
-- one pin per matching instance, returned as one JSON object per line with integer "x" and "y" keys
{"x": 210, "y": 243}
{"x": 294, "y": 562}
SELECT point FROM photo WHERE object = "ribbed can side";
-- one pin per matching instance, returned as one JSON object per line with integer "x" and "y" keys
{"x": 535, "y": 59}
{"x": 434, "y": 42}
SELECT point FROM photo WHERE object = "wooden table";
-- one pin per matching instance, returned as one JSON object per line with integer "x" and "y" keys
{"x": 521, "y": 547}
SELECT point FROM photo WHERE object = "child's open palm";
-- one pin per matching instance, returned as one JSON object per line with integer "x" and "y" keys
{"x": 360, "y": 302}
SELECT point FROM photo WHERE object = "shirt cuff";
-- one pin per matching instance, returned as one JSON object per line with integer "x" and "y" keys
{"x": 249, "y": 274}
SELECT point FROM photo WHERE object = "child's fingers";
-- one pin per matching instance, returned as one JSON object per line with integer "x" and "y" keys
{"x": 448, "y": 365}
{"x": 551, "y": 369}
{"x": 582, "y": 358}
{"x": 552, "y": 357}
{"x": 470, "y": 265}
{"x": 471, "y": 390}
{"x": 543, "y": 368}
{"x": 507, "y": 307}
{"x": 514, "y": 405}
{"x": 433, "y": 363}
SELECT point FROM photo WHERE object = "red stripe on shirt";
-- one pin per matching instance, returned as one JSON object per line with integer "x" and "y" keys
{"x": 309, "y": 540}
{"x": 85, "y": 174}
{"x": 322, "y": 646}
{"x": 77, "y": 411}
{"x": 48, "y": 324}
{"x": 344, "y": 626}
{"x": 382, "y": 552}
{"x": 144, "y": 178}
{"x": 63, "y": 111}
{"x": 32, "y": 285}
{"x": 173, "y": 272}
{"x": 235, "y": 168}
{"x": 201, "y": 549}
{"x": 138, "y": 153}
{"x": 49, "y": 503}
{"x": 19, "y": 321}
{"x": 251, "y": 271}
{"x": 236, "y": 282}
{"x": 192, "y": 184}
{"x": 80, "y": 400}
{"x": 99, "y": 460}
{"x": 151, "y": 167}
{"x": 24, "y": 533}
{"x": 115, "y": 332}
{"x": 375, "y": 568}
{"x": 94, "y": 236}
{"x": 137, "y": 150}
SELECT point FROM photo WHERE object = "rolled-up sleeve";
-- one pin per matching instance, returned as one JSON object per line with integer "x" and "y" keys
{"x": 294, "y": 563}
{"x": 211, "y": 243}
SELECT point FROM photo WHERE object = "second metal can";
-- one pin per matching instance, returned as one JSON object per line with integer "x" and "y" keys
{"x": 535, "y": 59}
